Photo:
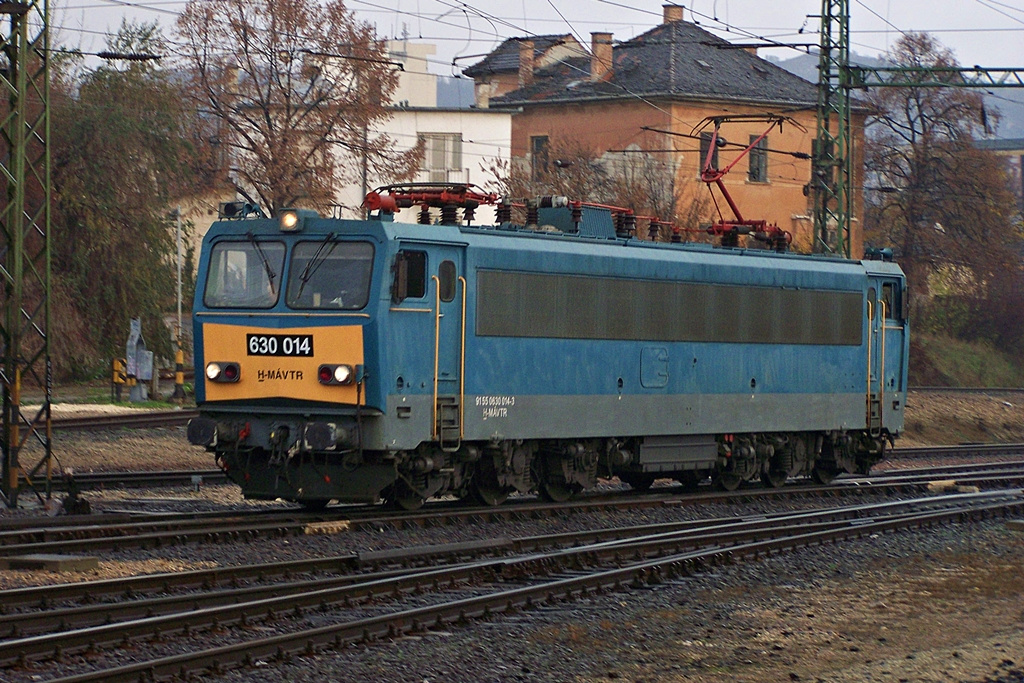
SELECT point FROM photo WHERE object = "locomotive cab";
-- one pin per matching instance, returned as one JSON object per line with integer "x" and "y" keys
{"x": 282, "y": 312}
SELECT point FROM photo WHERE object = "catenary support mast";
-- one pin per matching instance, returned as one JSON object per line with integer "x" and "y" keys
{"x": 832, "y": 175}
{"x": 25, "y": 246}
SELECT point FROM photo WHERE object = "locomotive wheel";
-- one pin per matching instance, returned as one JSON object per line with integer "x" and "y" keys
{"x": 314, "y": 504}
{"x": 489, "y": 494}
{"x": 689, "y": 480}
{"x": 485, "y": 487}
{"x": 728, "y": 481}
{"x": 556, "y": 492}
{"x": 774, "y": 478}
{"x": 823, "y": 475}
{"x": 402, "y": 497}
{"x": 639, "y": 482}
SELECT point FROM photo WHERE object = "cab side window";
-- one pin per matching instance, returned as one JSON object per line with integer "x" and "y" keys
{"x": 446, "y": 279}
{"x": 893, "y": 301}
{"x": 410, "y": 276}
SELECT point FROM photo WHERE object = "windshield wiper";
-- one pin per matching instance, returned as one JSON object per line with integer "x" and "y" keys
{"x": 315, "y": 261}
{"x": 263, "y": 257}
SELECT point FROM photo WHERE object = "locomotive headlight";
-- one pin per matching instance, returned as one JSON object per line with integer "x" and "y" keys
{"x": 289, "y": 220}
{"x": 335, "y": 374}
{"x": 343, "y": 374}
{"x": 212, "y": 371}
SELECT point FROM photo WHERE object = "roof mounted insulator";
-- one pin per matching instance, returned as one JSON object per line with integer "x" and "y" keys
{"x": 450, "y": 214}
{"x": 631, "y": 223}
{"x": 625, "y": 224}
{"x": 550, "y": 201}
{"x": 577, "y": 214}
{"x": 503, "y": 214}
{"x": 532, "y": 212}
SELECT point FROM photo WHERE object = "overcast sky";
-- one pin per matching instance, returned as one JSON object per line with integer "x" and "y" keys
{"x": 983, "y": 32}
{"x": 987, "y": 33}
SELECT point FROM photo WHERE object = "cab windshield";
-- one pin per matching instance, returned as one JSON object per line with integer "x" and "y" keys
{"x": 328, "y": 274}
{"x": 244, "y": 274}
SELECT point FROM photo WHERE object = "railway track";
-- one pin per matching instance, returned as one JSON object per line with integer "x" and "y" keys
{"x": 96, "y": 643}
{"x": 132, "y": 420}
{"x": 969, "y": 390}
{"x": 100, "y": 480}
{"x": 979, "y": 450}
{"x": 84, "y": 481}
{"x": 104, "y": 533}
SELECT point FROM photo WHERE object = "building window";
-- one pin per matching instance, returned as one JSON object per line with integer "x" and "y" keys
{"x": 442, "y": 158}
{"x": 705, "y": 145}
{"x": 538, "y": 156}
{"x": 758, "y": 172}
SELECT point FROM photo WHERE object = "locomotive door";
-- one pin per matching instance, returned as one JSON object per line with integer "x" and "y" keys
{"x": 893, "y": 358}
{"x": 886, "y": 371}
{"x": 448, "y": 287}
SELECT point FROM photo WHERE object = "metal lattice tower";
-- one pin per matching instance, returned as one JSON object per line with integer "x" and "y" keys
{"x": 832, "y": 176}
{"x": 832, "y": 173}
{"x": 25, "y": 243}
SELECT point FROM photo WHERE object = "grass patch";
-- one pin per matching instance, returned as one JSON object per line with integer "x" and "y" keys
{"x": 942, "y": 361}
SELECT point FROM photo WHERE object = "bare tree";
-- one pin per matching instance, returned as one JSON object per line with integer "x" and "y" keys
{"x": 944, "y": 205}
{"x": 634, "y": 180}
{"x": 938, "y": 200}
{"x": 293, "y": 90}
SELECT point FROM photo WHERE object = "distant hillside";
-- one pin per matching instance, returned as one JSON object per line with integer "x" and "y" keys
{"x": 1008, "y": 101}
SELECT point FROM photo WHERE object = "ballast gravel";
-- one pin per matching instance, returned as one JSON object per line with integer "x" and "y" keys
{"x": 944, "y": 604}
{"x": 936, "y": 605}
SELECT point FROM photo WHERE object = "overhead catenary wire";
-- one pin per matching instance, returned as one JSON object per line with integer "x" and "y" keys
{"x": 494, "y": 21}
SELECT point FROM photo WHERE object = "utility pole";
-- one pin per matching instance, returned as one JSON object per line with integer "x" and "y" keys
{"x": 25, "y": 245}
{"x": 179, "y": 356}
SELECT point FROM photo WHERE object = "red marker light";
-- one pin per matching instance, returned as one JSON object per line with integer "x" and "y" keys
{"x": 325, "y": 374}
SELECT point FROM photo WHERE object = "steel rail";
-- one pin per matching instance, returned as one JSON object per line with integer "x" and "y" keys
{"x": 642, "y": 571}
{"x": 137, "y": 419}
{"x": 156, "y": 478}
{"x": 968, "y": 390}
{"x": 131, "y": 588}
{"x": 180, "y": 529}
{"x": 406, "y": 557}
{"x": 959, "y": 450}
{"x": 234, "y": 609}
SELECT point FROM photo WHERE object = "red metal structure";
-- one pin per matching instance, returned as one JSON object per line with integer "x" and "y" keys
{"x": 730, "y": 230}
{"x": 445, "y": 196}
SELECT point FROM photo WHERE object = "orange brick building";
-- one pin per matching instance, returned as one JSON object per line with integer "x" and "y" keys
{"x": 648, "y": 96}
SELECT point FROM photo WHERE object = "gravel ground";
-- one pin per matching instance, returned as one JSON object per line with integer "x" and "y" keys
{"x": 941, "y": 605}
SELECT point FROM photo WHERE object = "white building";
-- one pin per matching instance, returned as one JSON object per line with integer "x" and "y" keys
{"x": 461, "y": 144}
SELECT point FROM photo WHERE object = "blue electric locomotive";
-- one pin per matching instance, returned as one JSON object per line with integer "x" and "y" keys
{"x": 355, "y": 360}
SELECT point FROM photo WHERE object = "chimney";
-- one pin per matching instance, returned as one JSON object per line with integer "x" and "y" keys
{"x": 601, "y": 56}
{"x": 525, "y": 63}
{"x": 672, "y": 13}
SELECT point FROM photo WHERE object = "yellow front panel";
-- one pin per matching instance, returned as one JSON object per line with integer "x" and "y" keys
{"x": 282, "y": 376}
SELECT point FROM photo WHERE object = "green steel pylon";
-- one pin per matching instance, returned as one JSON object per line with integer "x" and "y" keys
{"x": 832, "y": 175}
{"x": 832, "y": 165}
{"x": 25, "y": 245}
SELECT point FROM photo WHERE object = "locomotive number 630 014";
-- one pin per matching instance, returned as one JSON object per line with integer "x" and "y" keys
{"x": 279, "y": 344}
